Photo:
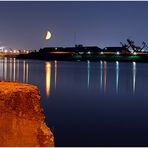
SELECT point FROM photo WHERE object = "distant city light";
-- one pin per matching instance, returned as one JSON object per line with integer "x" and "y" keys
{"x": 14, "y": 51}
{"x": 117, "y": 52}
{"x": 134, "y": 53}
{"x": 2, "y": 48}
{"x": 81, "y": 52}
{"x": 102, "y": 52}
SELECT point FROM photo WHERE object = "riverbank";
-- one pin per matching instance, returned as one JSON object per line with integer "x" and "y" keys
{"x": 21, "y": 117}
{"x": 85, "y": 57}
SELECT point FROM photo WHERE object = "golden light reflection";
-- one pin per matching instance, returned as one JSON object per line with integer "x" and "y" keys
{"x": 48, "y": 78}
{"x": 55, "y": 74}
{"x": 105, "y": 75}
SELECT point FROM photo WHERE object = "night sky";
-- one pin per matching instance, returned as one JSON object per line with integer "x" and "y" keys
{"x": 24, "y": 24}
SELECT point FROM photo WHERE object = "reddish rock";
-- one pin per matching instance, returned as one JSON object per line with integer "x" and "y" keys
{"x": 21, "y": 117}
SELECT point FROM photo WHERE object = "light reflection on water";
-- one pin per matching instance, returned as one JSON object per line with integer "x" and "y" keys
{"x": 105, "y": 75}
{"x": 134, "y": 77}
{"x": 55, "y": 74}
{"x": 48, "y": 78}
{"x": 104, "y": 72}
{"x": 88, "y": 73}
{"x": 10, "y": 70}
{"x": 5, "y": 69}
{"x": 18, "y": 70}
{"x": 101, "y": 74}
{"x": 117, "y": 76}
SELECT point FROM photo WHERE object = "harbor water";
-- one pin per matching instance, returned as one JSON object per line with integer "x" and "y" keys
{"x": 88, "y": 103}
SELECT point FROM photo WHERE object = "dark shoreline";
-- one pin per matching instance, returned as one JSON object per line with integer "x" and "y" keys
{"x": 94, "y": 57}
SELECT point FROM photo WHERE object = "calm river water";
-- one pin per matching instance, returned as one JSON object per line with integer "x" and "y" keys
{"x": 88, "y": 103}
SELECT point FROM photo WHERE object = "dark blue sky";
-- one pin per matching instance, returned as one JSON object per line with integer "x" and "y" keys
{"x": 24, "y": 24}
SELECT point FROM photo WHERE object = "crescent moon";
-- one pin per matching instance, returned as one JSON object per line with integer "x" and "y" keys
{"x": 48, "y": 35}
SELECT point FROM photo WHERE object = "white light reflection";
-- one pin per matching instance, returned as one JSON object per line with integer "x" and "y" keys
{"x": 48, "y": 78}
{"x": 105, "y": 75}
{"x": 88, "y": 74}
{"x": 117, "y": 76}
{"x": 24, "y": 69}
{"x": 17, "y": 70}
{"x": 55, "y": 74}
{"x": 27, "y": 73}
{"x": 101, "y": 74}
{"x": 10, "y": 69}
{"x": 134, "y": 77}
{"x": 14, "y": 63}
{"x": 5, "y": 68}
{"x": 1, "y": 68}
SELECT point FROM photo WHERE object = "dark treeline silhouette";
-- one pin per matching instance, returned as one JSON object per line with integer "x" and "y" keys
{"x": 131, "y": 44}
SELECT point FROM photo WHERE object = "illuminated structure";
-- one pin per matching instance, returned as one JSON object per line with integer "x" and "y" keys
{"x": 79, "y": 49}
{"x": 94, "y": 53}
{"x": 116, "y": 50}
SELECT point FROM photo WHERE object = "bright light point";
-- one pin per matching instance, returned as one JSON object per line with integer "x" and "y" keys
{"x": 117, "y": 62}
{"x": 48, "y": 35}
{"x": 117, "y": 52}
{"x": 117, "y": 65}
{"x": 134, "y": 53}
{"x": 101, "y": 52}
{"x": 88, "y": 52}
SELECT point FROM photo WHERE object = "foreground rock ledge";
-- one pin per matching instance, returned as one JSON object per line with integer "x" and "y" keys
{"x": 21, "y": 116}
